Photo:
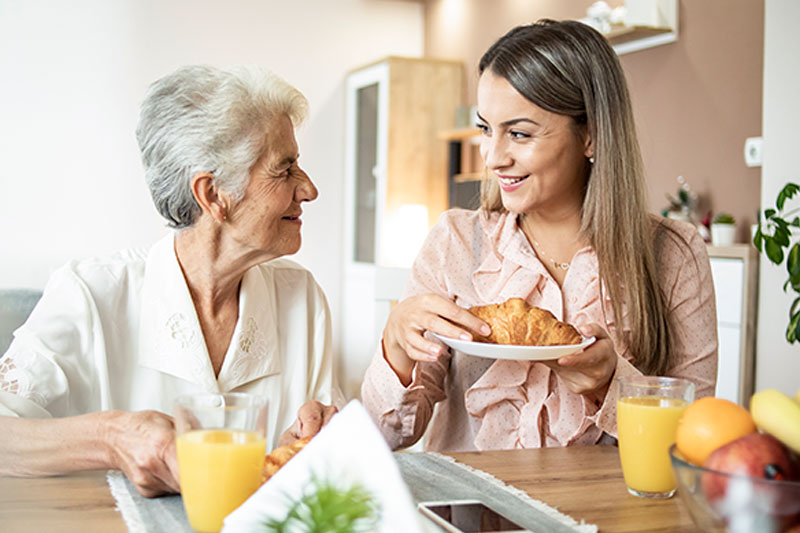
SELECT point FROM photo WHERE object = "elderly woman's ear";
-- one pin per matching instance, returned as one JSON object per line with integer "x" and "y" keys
{"x": 211, "y": 199}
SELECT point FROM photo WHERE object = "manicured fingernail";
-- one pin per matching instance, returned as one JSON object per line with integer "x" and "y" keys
{"x": 434, "y": 350}
{"x": 466, "y": 337}
{"x": 485, "y": 330}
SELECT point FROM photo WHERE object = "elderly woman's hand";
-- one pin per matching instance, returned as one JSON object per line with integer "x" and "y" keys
{"x": 589, "y": 372}
{"x": 403, "y": 337}
{"x": 310, "y": 418}
{"x": 142, "y": 445}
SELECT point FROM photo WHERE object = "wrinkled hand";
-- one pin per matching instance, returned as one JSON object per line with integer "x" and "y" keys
{"x": 142, "y": 445}
{"x": 403, "y": 339}
{"x": 588, "y": 372}
{"x": 310, "y": 418}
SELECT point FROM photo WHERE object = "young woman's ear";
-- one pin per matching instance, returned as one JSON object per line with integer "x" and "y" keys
{"x": 211, "y": 200}
{"x": 588, "y": 146}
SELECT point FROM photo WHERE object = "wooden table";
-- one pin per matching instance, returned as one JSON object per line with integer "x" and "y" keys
{"x": 583, "y": 482}
{"x": 77, "y": 502}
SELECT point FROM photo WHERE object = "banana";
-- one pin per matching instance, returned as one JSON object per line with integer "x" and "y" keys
{"x": 777, "y": 414}
{"x": 797, "y": 396}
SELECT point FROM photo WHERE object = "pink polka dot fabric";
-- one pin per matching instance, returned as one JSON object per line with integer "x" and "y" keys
{"x": 475, "y": 259}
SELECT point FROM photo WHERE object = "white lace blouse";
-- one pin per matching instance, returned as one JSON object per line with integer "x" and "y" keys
{"x": 122, "y": 333}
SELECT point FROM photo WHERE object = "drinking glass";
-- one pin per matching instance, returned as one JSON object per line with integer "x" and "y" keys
{"x": 648, "y": 410}
{"x": 221, "y": 447}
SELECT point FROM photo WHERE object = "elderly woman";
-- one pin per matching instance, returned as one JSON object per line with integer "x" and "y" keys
{"x": 88, "y": 379}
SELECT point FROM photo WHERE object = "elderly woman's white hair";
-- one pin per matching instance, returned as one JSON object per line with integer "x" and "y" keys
{"x": 204, "y": 119}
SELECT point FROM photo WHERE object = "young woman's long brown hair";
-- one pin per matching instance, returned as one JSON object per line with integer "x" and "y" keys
{"x": 568, "y": 68}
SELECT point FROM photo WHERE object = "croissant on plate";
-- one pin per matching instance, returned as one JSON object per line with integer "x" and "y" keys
{"x": 516, "y": 322}
{"x": 280, "y": 456}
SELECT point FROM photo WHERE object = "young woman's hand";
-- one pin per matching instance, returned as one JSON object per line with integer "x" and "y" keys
{"x": 589, "y": 372}
{"x": 403, "y": 337}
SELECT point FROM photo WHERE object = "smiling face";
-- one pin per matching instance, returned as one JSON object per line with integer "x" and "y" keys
{"x": 538, "y": 157}
{"x": 267, "y": 218}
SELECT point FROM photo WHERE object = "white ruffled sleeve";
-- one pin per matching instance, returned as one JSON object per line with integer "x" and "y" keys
{"x": 48, "y": 369}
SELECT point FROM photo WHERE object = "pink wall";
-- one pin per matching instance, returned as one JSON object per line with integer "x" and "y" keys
{"x": 696, "y": 100}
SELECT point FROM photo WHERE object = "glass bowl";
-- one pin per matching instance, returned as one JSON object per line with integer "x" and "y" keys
{"x": 720, "y": 502}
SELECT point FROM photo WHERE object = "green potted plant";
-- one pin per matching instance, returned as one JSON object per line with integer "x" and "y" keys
{"x": 723, "y": 230}
{"x": 773, "y": 237}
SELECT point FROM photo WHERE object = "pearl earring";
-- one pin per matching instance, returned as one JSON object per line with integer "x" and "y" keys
{"x": 591, "y": 159}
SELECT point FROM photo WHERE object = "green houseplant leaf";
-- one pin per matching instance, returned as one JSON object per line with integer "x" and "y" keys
{"x": 724, "y": 218}
{"x": 793, "y": 267}
{"x": 793, "y": 329}
{"x": 329, "y": 507}
{"x": 774, "y": 234}
{"x": 789, "y": 190}
{"x": 774, "y": 250}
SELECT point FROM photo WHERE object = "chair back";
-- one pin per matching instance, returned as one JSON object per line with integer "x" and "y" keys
{"x": 15, "y": 306}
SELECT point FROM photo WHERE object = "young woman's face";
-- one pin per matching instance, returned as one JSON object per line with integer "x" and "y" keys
{"x": 267, "y": 219}
{"x": 539, "y": 158}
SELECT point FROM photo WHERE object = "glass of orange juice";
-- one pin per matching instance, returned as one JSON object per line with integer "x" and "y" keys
{"x": 221, "y": 447}
{"x": 648, "y": 410}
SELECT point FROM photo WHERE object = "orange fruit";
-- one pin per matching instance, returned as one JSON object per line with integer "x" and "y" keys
{"x": 708, "y": 423}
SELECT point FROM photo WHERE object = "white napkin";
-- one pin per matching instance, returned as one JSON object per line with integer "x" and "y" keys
{"x": 348, "y": 450}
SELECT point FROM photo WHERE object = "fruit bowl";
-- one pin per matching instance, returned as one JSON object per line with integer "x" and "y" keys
{"x": 719, "y": 502}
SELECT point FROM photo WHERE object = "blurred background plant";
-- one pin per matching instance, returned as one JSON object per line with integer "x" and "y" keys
{"x": 682, "y": 206}
{"x": 325, "y": 507}
{"x": 773, "y": 237}
{"x": 724, "y": 218}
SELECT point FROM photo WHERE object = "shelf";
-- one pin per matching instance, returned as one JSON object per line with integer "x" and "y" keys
{"x": 631, "y": 39}
{"x": 744, "y": 251}
{"x": 648, "y": 23}
{"x": 465, "y": 177}
{"x": 459, "y": 134}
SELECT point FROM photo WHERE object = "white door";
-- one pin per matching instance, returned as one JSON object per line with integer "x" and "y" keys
{"x": 366, "y": 142}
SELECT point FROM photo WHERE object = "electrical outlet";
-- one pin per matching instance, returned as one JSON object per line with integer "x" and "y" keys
{"x": 753, "y": 151}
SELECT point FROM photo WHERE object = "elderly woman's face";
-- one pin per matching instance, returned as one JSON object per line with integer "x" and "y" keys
{"x": 267, "y": 218}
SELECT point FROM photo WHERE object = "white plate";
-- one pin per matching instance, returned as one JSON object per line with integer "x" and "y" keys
{"x": 512, "y": 351}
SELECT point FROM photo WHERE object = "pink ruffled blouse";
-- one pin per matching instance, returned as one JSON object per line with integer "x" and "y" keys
{"x": 475, "y": 259}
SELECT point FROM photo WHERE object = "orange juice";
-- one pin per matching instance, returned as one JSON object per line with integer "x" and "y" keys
{"x": 646, "y": 427}
{"x": 219, "y": 469}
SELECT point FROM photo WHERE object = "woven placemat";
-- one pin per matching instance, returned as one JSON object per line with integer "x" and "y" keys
{"x": 436, "y": 477}
{"x": 429, "y": 476}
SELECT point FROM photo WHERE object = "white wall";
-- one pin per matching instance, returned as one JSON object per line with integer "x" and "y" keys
{"x": 777, "y": 362}
{"x": 73, "y": 74}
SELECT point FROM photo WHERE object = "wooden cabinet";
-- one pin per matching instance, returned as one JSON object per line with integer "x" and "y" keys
{"x": 394, "y": 182}
{"x": 394, "y": 159}
{"x": 735, "y": 272}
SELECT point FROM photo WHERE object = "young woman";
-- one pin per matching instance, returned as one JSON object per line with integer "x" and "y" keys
{"x": 563, "y": 224}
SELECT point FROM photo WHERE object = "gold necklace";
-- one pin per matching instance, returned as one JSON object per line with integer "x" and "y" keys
{"x": 542, "y": 254}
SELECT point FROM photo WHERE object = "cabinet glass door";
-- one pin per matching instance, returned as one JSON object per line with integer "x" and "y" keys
{"x": 366, "y": 160}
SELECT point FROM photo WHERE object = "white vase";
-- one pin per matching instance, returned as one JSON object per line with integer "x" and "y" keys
{"x": 722, "y": 234}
